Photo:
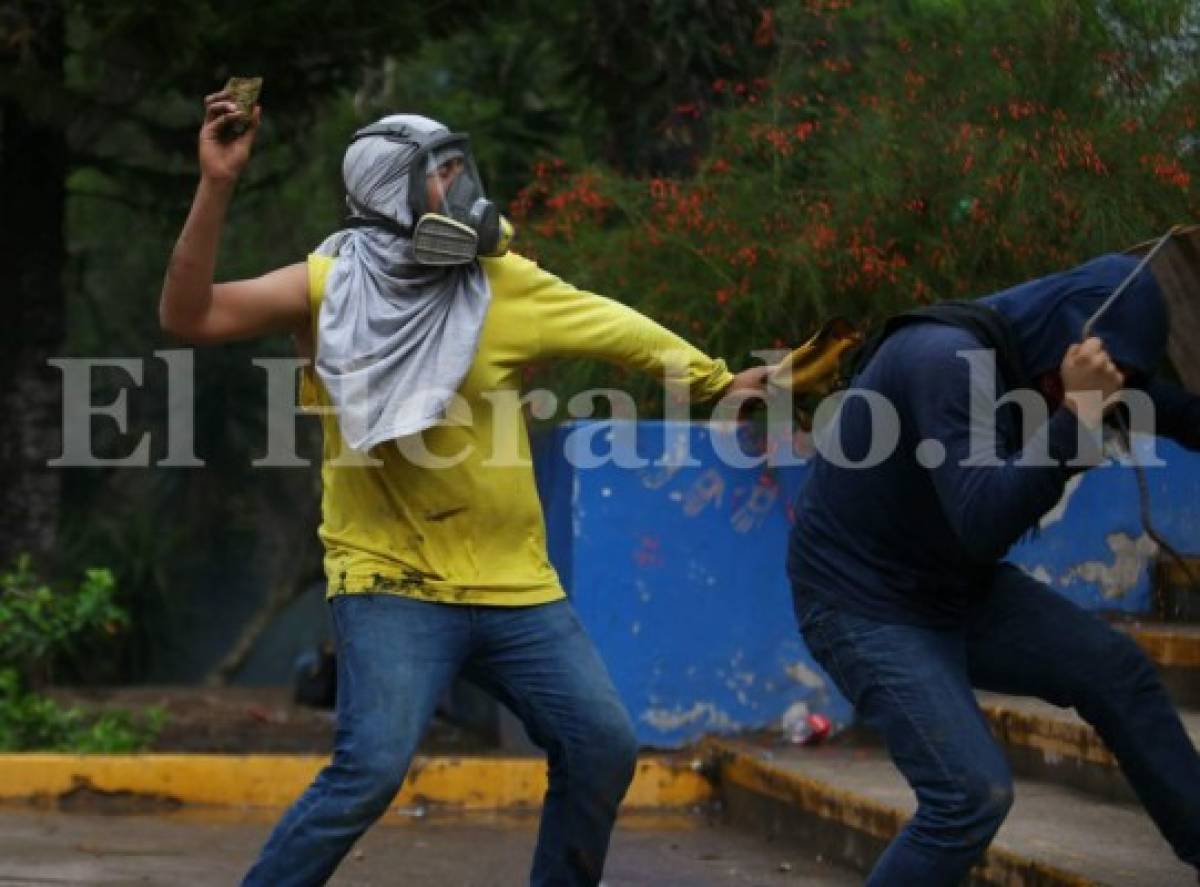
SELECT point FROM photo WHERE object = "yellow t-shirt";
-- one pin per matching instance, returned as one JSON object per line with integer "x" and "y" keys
{"x": 473, "y": 533}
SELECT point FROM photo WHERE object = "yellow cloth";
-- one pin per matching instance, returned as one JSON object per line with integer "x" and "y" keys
{"x": 473, "y": 533}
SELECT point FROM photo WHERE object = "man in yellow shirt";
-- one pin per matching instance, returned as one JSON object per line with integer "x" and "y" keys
{"x": 434, "y": 539}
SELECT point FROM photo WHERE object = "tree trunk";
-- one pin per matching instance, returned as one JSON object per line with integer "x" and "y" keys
{"x": 33, "y": 170}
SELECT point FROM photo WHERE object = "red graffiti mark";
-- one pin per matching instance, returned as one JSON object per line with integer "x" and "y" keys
{"x": 648, "y": 555}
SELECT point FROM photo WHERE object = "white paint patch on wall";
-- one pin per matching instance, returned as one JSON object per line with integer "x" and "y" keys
{"x": 1041, "y": 574}
{"x": 705, "y": 714}
{"x": 740, "y": 679}
{"x": 805, "y": 676}
{"x": 795, "y": 715}
{"x": 699, "y": 574}
{"x": 1131, "y": 557}
{"x": 678, "y": 456}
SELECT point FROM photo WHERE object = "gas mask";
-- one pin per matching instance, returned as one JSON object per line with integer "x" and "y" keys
{"x": 454, "y": 221}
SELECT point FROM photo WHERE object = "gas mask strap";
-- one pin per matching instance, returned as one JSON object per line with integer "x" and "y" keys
{"x": 386, "y": 224}
{"x": 394, "y": 132}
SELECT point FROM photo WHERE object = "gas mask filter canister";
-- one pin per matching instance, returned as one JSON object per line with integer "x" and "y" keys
{"x": 457, "y": 223}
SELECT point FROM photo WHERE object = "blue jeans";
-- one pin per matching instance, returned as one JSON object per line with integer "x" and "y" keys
{"x": 396, "y": 656}
{"x": 913, "y": 685}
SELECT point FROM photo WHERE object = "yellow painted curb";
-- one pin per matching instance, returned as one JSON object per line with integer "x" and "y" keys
{"x": 1053, "y": 738}
{"x": 466, "y": 783}
{"x": 752, "y": 774}
{"x": 1168, "y": 646}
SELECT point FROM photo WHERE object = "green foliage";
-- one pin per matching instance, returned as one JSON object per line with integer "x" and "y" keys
{"x": 897, "y": 152}
{"x": 505, "y": 89}
{"x": 32, "y": 722}
{"x": 644, "y": 68}
{"x": 40, "y": 626}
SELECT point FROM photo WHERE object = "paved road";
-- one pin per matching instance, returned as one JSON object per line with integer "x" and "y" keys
{"x": 203, "y": 848}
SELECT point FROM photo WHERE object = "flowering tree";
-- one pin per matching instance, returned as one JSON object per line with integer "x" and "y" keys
{"x": 897, "y": 153}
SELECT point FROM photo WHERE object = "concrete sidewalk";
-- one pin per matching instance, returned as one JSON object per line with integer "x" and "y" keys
{"x": 199, "y": 849}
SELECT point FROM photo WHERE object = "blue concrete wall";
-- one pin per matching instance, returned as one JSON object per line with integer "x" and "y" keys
{"x": 678, "y": 574}
{"x": 1092, "y": 547}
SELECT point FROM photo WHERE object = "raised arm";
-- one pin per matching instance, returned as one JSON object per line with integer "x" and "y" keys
{"x": 192, "y": 307}
{"x": 990, "y": 506}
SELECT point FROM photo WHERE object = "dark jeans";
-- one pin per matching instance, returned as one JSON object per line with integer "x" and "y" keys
{"x": 396, "y": 656}
{"x": 914, "y": 686}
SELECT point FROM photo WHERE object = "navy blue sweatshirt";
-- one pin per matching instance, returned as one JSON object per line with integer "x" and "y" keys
{"x": 901, "y": 542}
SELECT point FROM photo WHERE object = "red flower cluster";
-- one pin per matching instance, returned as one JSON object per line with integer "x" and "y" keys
{"x": 677, "y": 208}
{"x": 764, "y": 33}
{"x": 557, "y": 201}
{"x": 822, "y": 7}
{"x": 747, "y": 91}
{"x": 1167, "y": 169}
{"x": 783, "y": 139}
{"x": 875, "y": 263}
{"x": 860, "y": 188}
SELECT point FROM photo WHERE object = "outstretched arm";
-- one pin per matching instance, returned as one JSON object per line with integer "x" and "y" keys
{"x": 192, "y": 307}
{"x": 571, "y": 322}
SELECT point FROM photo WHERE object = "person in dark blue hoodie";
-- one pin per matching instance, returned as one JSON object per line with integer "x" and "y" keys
{"x": 897, "y": 566}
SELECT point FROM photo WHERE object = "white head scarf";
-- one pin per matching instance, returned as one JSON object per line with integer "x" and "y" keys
{"x": 395, "y": 338}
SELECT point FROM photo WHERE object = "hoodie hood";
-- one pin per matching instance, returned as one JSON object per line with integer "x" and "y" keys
{"x": 1048, "y": 315}
{"x": 395, "y": 338}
